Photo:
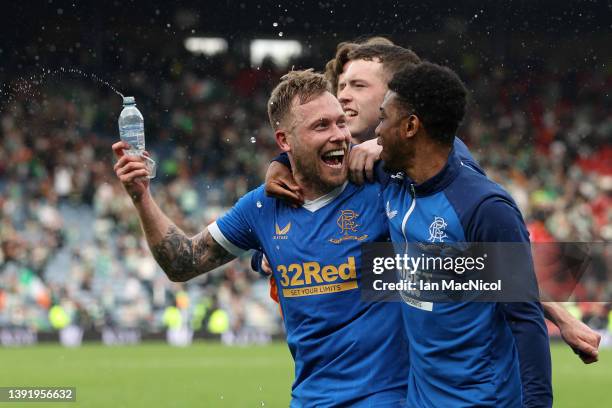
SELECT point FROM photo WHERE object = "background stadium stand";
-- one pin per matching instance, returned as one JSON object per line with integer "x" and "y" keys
{"x": 540, "y": 121}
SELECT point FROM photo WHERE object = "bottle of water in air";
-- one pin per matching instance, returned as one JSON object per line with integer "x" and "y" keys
{"x": 131, "y": 131}
{"x": 131, "y": 126}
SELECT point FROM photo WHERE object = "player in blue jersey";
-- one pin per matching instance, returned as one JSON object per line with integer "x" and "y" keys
{"x": 461, "y": 353}
{"x": 347, "y": 352}
{"x": 361, "y": 72}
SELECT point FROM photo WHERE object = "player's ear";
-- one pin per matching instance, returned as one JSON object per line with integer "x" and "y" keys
{"x": 410, "y": 126}
{"x": 282, "y": 140}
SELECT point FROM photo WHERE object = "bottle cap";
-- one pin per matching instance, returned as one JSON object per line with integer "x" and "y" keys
{"x": 129, "y": 100}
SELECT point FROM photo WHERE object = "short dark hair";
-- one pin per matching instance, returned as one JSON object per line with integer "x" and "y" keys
{"x": 435, "y": 94}
{"x": 392, "y": 57}
{"x": 335, "y": 66}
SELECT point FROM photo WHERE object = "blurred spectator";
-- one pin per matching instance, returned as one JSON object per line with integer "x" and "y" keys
{"x": 69, "y": 235}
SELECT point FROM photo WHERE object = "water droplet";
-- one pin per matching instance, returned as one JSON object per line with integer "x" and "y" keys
{"x": 259, "y": 204}
{"x": 280, "y": 34}
{"x": 274, "y": 24}
{"x": 253, "y": 140}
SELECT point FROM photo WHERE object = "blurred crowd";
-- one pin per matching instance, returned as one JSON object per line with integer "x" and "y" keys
{"x": 70, "y": 237}
{"x": 546, "y": 137}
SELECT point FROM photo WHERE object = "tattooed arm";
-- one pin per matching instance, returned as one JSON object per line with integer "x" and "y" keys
{"x": 180, "y": 256}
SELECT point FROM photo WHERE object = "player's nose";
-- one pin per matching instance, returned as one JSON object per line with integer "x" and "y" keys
{"x": 344, "y": 96}
{"x": 339, "y": 135}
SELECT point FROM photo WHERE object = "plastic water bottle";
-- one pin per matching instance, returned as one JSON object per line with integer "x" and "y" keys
{"x": 131, "y": 126}
{"x": 131, "y": 131}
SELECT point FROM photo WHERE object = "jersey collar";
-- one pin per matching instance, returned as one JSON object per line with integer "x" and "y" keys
{"x": 320, "y": 202}
{"x": 441, "y": 180}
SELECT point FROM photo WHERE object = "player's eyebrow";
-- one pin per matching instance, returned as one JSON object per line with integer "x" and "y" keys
{"x": 352, "y": 81}
{"x": 320, "y": 120}
{"x": 327, "y": 119}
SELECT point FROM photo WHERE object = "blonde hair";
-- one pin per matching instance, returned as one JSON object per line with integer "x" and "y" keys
{"x": 306, "y": 85}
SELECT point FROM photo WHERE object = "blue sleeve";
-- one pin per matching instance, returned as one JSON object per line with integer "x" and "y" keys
{"x": 380, "y": 174}
{"x": 527, "y": 323}
{"x": 236, "y": 229}
{"x": 256, "y": 259}
{"x": 466, "y": 156}
{"x": 283, "y": 159}
{"x": 498, "y": 220}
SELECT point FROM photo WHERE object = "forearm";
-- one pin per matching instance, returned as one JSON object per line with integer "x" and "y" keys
{"x": 556, "y": 313}
{"x": 181, "y": 257}
{"x": 155, "y": 224}
{"x": 580, "y": 337}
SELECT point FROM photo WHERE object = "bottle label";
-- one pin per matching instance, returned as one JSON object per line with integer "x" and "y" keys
{"x": 134, "y": 135}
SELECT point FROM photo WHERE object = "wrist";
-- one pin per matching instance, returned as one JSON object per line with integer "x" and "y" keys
{"x": 141, "y": 200}
{"x": 560, "y": 316}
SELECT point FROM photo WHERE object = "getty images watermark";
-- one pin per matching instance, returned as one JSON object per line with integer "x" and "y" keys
{"x": 486, "y": 272}
{"x": 407, "y": 268}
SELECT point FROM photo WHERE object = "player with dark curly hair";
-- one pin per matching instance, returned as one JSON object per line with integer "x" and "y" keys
{"x": 461, "y": 353}
{"x": 438, "y": 96}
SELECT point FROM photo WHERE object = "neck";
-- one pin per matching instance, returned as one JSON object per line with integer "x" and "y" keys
{"x": 428, "y": 160}
{"x": 311, "y": 189}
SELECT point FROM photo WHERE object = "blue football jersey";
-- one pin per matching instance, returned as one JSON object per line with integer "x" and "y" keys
{"x": 347, "y": 352}
{"x": 462, "y": 354}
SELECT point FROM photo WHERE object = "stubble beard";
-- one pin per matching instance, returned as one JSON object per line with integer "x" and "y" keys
{"x": 399, "y": 159}
{"x": 306, "y": 172}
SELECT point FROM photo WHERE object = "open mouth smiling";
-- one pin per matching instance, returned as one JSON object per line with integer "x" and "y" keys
{"x": 333, "y": 158}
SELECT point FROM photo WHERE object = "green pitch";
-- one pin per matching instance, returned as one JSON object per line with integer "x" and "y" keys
{"x": 211, "y": 375}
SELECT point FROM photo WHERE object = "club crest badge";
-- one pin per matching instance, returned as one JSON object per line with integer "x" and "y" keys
{"x": 436, "y": 230}
{"x": 347, "y": 222}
